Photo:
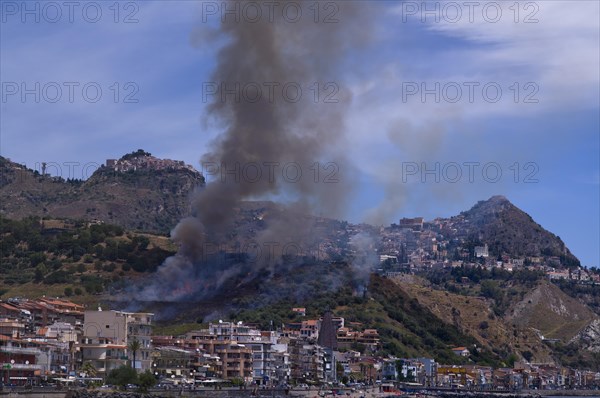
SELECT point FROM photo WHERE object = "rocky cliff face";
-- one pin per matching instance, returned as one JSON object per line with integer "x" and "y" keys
{"x": 589, "y": 337}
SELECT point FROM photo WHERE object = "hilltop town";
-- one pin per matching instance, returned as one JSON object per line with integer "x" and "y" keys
{"x": 414, "y": 245}
{"x": 142, "y": 160}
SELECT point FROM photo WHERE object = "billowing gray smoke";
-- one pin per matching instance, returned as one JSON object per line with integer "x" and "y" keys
{"x": 364, "y": 258}
{"x": 286, "y": 115}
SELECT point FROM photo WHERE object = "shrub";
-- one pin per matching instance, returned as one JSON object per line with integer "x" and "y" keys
{"x": 122, "y": 376}
{"x": 109, "y": 267}
{"x": 147, "y": 380}
{"x": 57, "y": 277}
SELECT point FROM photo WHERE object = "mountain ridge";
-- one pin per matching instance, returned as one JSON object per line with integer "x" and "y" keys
{"x": 146, "y": 199}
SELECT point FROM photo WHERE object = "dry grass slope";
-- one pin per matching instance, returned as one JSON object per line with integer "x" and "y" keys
{"x": 474, "y": 317}
{"x": 552, "y": 312}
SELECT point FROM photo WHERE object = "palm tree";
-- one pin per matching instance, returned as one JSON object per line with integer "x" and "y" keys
{"x": 89, "y": 369}
{"x": 134, "y": 346}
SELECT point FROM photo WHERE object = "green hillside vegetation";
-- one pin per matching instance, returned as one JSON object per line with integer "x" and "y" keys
{"x": 587, "y": 293}
{"x": 571, "y": 354}
{"x": 72, "y": 258}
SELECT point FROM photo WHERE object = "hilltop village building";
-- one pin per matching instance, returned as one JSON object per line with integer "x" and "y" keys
{"x": 147, "y": 162}
{"x": 415, "y": 245}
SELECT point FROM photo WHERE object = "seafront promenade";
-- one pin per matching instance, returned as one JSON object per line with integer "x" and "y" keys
{"x": 295, "y": 393}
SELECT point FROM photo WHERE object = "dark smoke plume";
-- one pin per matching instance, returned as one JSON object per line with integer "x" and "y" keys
{"x": 278, "y": 130}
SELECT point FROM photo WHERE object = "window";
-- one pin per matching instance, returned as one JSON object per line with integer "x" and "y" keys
{"x": 108, "y": 326}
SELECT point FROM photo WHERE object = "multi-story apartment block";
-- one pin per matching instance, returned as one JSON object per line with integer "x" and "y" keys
{"x": 173, "y": 361}
{"x": 103, "y": 353}
{"x": 115, "y": 330}
{"x": 211, "y": 357}
{"x": 236, "y": 360}
{"x": 306, "y": 361}
{"x": 261, "y": 344}
{"x": 11, "y": 328}
{"x": 281, "y": 364}
{"x": 19, "y": 361}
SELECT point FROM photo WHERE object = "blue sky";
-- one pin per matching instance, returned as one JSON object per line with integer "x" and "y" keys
{"x": 555, "y": 61}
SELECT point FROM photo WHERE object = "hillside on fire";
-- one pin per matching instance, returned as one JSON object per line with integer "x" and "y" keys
{"x": 424, "y": 286}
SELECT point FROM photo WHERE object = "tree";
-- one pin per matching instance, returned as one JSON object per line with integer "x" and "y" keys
{"x": 356, "y": 346}
{"x": 40, "y": 271}
{"x": 410, "y": 376}
{"x": 490, "y": 289}
{"x": 237, "y": 382}
{"x": 146, "y": 380}
{"x": 399, "y": 366}
{"x": 371, "y": 368}
{"x": 122, "y": 376}
{"x": 134, "y": 346}
{"x": 88, "y": 369}
{"x": 339, "y": 370}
